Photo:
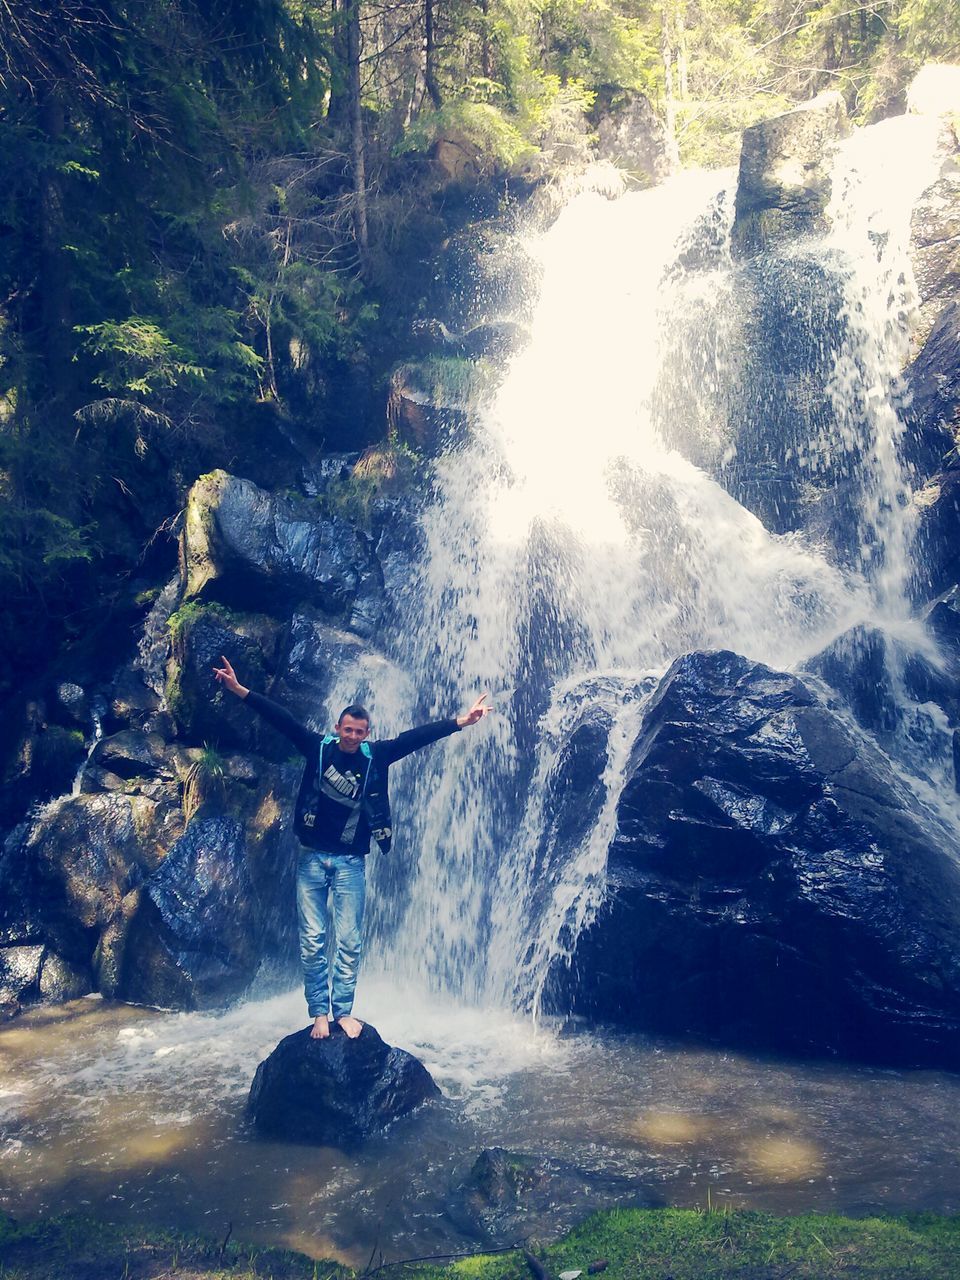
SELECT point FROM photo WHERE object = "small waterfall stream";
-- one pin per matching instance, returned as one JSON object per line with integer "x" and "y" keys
{"x": 575, "y": 546}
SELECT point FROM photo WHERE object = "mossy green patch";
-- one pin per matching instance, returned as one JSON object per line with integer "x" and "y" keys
{"x": 652, "y": 1244}
{"x": 80, "y": 1248}
{"x": 194, "y": 610}
{"x": 385, "y": 472}
{"x": 622, "y": 1244}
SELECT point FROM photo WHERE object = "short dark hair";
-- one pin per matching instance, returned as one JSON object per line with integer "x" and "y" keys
{"x": 355, "y": 710}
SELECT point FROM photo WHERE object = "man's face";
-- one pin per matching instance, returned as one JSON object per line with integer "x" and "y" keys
{"x": 352, "y": 732}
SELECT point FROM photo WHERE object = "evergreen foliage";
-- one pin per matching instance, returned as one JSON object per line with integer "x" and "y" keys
{"x": 215, "y": 205}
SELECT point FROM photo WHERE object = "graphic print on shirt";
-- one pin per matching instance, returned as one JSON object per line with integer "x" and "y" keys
{"x": 346, "y": 785}
{"x": 333, "y": 805}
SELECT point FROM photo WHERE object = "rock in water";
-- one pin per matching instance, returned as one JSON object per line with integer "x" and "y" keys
{"x": 336, "y": 1091}
{"x": 773, "y": 883}
{"x": 784, "y": 184}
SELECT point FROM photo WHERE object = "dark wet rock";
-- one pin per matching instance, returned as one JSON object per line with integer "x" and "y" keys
{"x": 83, "y": 856}
{"x": 631, "y": 135}
{"x": 772, "y": 882}
{"x": 153, "y": 648}
{"x": 67, "y": 878}
{"x": 933, "y": 383}
{"x": 72, "y": 704}
{"x": 508, "y": 1195}
{"x": 784, "y": 463}
{"x": 938, "y": 537}
{"x": 203, "y": 710}
{"x": 19, "y": 977}
{"x": 935, "y": 237}
{"x": 20, "y": 922}
{"x": 133, "y": 754}
{"x": 430, "y": 399}
{"x": 856, "y": 665}
{"x": 784, "y": 183}
{"x": 122, "y": 900}
{"x": 943, "y": 622}
{"x": 574, "y": 794}
{"x": 244, "y": 547}
{"x": 40, "y": 760}
{"x": 883, "y": 679}
{"x": 783, "y": 458}
{"x": 499, "y": 1177}
{"x": 336, "y": 1091}
{"x": 132, "y": 702}
{"x": 314, "y": 659}
{"x": 329, "y": 471}
{"x": 195, "y": 940}
{"x": 61, "y": 980}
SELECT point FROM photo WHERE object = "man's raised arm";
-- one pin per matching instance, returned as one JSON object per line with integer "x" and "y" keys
{"x": 272, "y": 712}
{"x": 410, "y": 740}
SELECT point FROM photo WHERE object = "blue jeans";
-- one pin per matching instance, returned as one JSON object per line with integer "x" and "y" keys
{"x": 341, "y": 875}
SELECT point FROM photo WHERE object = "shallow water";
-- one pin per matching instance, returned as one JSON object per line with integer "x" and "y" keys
{"x": 137, "y": 1115}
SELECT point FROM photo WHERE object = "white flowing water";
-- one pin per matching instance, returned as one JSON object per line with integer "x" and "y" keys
{"x": 575, "y": 540}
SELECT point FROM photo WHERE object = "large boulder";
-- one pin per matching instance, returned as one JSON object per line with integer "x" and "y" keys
{"x": 69, "y": 878}
{"x": 223, "y": 897}
{"x": 336, "y": 1091}
{"x": 631, "y": 136}
{"x": 168, "y": 884}
{"x": 881, "y": 676}
{"x": 772, "y": 882}
{"x": 247, "y": 548}
{"x": 200, "y": 634}
{"x": 38, "y": 759}
{"x": 195, "y": 940}
{"x": 784, "y": 184}
{"x": 431, "y": 399}
{"x": 933, "y": 382}
{"x": 791, "y": 316}
{"x": 935, "y": 239}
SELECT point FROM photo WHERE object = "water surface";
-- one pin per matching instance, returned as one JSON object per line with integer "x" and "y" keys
{"x": 137, "y": 1115}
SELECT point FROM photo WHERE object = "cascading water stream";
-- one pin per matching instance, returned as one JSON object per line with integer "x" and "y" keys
{"x": 870, "y": 237}
{"x": 571, "y": 551}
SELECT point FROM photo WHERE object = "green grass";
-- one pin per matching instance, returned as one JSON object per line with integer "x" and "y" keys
{"x": 635, "y": 1244}
{"x": 653, "y": 1244}
{"x": 80, "y": 1248}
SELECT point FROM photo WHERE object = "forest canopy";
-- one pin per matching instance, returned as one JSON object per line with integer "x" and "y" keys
{"x": 210, "y": 208}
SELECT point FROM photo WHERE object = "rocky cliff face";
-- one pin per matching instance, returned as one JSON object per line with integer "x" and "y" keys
{"x": 167, "y": 878}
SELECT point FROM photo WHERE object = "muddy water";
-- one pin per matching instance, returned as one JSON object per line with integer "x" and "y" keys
{"x": 137, "y": 1115}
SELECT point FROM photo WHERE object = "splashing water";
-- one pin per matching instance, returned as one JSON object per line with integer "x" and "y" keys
{"x": 870, "y": 217}
{"x": 569, "y": 538}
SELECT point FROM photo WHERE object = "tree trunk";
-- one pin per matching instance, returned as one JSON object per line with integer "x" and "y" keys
{"x": 670, "y": 102}
{"x": 430, "y": 56}
{"x": 357, "y": 163}
{"x": 486, "y": 59}
{"x": 53, "y": 279}
{"x": 338, "y": 109}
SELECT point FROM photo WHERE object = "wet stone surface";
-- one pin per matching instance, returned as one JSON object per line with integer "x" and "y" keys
{"x": 336, "y": 1091}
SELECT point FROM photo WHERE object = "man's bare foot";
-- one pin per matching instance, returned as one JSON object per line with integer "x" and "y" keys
{"x": 352, "y": 1026}
{"x": 321, "y": 1027}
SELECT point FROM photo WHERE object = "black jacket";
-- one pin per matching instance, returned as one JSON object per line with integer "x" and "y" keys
{"x": 329, "y": 815}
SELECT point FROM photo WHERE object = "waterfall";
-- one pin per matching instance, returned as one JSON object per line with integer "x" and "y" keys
{"x": 578, "y": 542}
{"x": 870, "y": 235}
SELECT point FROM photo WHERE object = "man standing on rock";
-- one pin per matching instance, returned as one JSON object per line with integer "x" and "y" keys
{"x": 341, "y": 805}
